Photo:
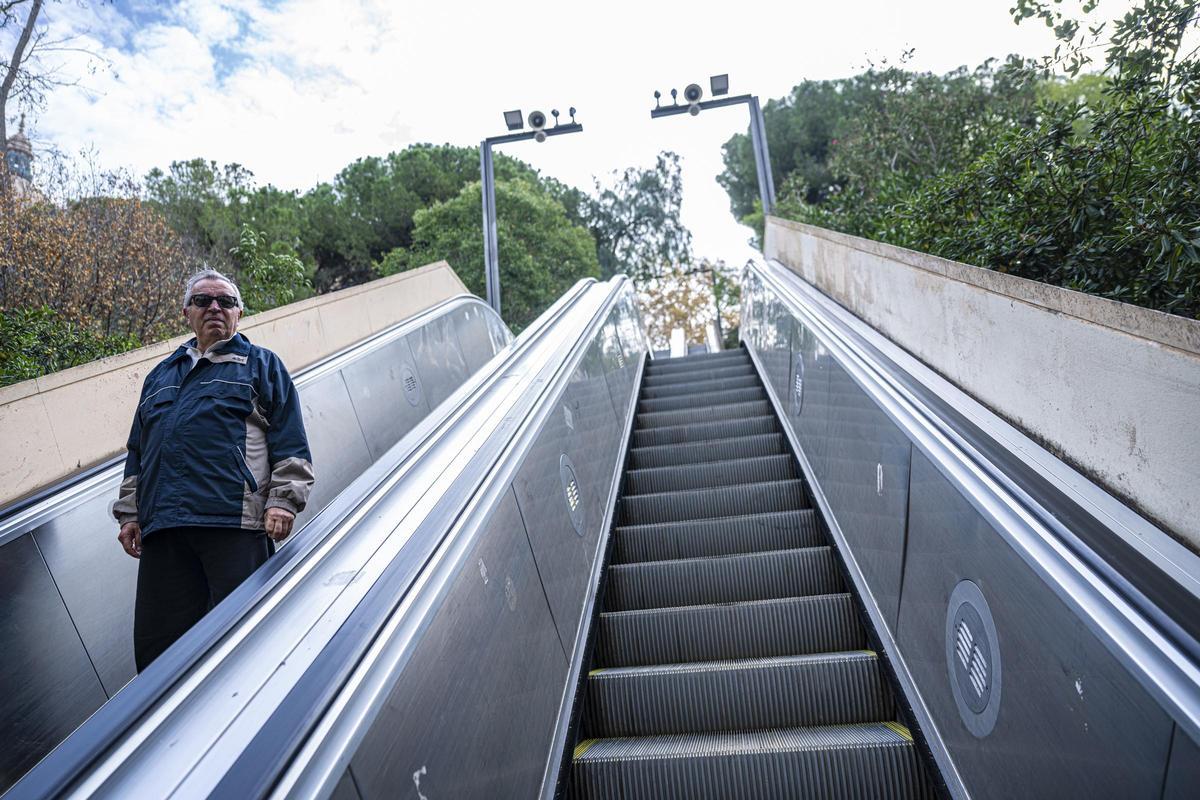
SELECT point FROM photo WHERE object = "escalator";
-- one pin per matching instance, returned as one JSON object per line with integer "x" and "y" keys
{"x": 730, "y": 659}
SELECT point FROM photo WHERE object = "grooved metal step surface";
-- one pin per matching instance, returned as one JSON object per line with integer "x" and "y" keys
{"x": 754, "y": 629}
{"x": 699, "y": 387}
{"x": 706, "y": 374}
{"x": 724, "y": 429}
{"x": 720, "y": 501}
{"x": 766, "y": 444}
{"x": 860, "y": 762}
{"x": 723, "y": 579}
{"x": 729, "y": 661}
{"x": 753, "y": 694}
{"x": 691, "y": 416}
{"x": 749, "y": 533}
{"x": 720, "y": 397}
{"x": 713, "y": 473}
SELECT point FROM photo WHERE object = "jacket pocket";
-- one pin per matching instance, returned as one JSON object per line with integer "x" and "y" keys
{"x": 247, "y": 475}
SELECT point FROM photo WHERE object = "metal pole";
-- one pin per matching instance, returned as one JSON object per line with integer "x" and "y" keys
{"x": 762, "y": 158}
{"x": 491, "y": 255}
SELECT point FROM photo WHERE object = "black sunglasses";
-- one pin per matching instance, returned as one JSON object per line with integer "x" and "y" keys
{"x": 205, "y": 300}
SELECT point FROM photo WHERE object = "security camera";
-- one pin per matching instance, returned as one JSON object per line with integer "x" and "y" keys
{"x": 692, "y": 95}
{"x": 537, "y": 121}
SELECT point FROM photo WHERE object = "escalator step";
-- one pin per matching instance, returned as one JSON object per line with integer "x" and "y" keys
{"x": 863, "y": 762}
{"x": 722, "y": 579}
{"x": 703, "y": 374}
{"x": 712, "y": 473}
{"x": 699, "y": 399}
{"x": 692, "y": 362}
{"x": 755, "y": 629}
{"x": 711, "y": 413}
{"x": 767, "y": 444}
{"x": 721, "y": 501}
{"x": 717, "y": 537}
{"x": 709, "y": 696}
{"x": 718, "y": 385}
{"x": 723, "y": 429}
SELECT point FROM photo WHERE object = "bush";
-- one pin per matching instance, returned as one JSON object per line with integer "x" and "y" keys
{"x": 37, "y": 341}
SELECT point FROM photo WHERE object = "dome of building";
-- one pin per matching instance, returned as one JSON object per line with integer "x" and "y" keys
{"x": 18, "y": 153}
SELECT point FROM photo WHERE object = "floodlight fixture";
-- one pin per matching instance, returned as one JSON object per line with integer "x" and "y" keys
{"x": 719, "y": 84}
{"x": 514, "y": 120}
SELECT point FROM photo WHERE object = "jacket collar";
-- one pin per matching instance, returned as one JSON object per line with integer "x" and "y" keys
{"x": 235, "y": 348}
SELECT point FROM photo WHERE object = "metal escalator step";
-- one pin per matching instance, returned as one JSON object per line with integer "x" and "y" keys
{"x": 717, "y": 385}
{"x": 705, "y": 374}
{"x": 717, "y": 537}
{"x": 699, "y": 432}
{"x": 723, "y": 579}
{"x": 708, "y": 696}
{"x": 710, "y": 473}
{"x": 702, "y": 399}
{"x": 706, "y": 361}
{"x": 755, "y": 629}
{"x": 711, "y": 413}
{"x": 768, "y": 444}
{"x": 721, "y": 501}
{"x": 861, "y": 762}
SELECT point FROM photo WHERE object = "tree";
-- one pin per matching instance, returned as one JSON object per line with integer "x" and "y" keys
{"x": 690, "y": 298}
{"x": 636, "y": 220}
{"x": 267, "y": 273}
{"x": 24, "y": 78}
{"x": 541, "y": 252}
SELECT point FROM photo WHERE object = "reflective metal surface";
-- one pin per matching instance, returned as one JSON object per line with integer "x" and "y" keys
{"x": 48, "y": 684}
{"x": 1072, "y": 722}
{"x": 439, "y": 359}
{"x": 441, "y": 723}
{"x": 921, "y": 494}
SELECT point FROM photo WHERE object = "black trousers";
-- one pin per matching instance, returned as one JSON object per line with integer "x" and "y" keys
{"x": 184, "y": 572}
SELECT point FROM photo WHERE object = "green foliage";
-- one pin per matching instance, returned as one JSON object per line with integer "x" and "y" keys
{"x": 541, "y": 252}
{"x": 1039, "y": 168}
{"x": 267, "y": 273}
{"x": 37, "y": 341}
{"x": 636, "y": 220}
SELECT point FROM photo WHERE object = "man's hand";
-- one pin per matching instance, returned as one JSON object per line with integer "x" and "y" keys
{"x": 130, "y": 538}
{"x": 278, "y": 522}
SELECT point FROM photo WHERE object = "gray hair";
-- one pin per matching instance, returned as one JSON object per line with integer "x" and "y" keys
{"x": 210, "y": 274}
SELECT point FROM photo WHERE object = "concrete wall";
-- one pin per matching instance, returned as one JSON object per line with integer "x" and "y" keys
{"x": 59, "y": 423}
{"x": 1112, "y": 389}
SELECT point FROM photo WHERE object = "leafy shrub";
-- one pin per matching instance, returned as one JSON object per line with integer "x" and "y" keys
{"x": 37, "y": 341}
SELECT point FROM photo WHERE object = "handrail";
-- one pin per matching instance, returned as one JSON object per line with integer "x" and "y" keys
{"x": 112, "y": 723}
{"x": 25, "y": 513}
{"x": 403, "y": 608}
{"x": 1133, "y": 606}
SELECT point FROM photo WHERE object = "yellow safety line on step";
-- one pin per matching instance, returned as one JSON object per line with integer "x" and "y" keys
{"x": 582, "y": 747}
{"x": 900, "y": 729}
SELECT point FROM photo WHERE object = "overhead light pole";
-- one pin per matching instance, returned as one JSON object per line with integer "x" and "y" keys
{"x": 693, "y": 105}
{"x": 514, "y": 121}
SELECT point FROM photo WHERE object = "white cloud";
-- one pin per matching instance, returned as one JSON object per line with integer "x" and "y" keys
{"x": 314, "y": 85}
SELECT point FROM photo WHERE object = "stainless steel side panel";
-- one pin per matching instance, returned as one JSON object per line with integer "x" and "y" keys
{"x": 469, "y": 710}
{"x": 866, "y": 483}
{"x": 1183, "y": 773}
{"x": 564, "y": 556}
{"x": 377, "y": 391}
{"x": 101, "y": 609}
{"x": 1072, "y": 722}
{"x": 439, "y": 359}
{"x": 478, "y": 335}
{"x": 339, "y": 451}
{"x": 46, "y": 680}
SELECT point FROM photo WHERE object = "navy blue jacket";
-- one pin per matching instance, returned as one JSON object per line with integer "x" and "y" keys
{"x": 216, "y": 444}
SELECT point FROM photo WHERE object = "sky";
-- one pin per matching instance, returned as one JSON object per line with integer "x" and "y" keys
{"x": 296, "y": 89}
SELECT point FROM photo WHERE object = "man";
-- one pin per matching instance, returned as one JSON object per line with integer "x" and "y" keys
{"x": 218, "y": 468}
